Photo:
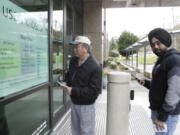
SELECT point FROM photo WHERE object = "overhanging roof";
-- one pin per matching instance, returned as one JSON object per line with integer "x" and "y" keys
{"x": 140, "y": 3}
{"x": 144, "y": 42}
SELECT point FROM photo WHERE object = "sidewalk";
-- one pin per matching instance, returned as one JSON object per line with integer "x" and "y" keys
{"x": 139, "y": 123}
{"x": 141, "y": 99}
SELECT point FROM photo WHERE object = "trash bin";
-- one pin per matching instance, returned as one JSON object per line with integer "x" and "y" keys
{"x": 118, "y": 102}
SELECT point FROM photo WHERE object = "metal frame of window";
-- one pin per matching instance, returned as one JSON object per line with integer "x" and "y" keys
{"x": 50, "y": 32}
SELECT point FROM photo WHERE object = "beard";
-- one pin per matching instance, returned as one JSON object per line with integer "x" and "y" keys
{"x": 159, "y": 53}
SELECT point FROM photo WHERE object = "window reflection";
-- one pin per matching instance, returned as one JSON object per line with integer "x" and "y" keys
{"x": 75, "y": 18}
{"x": 69, "y": 38}
{"x": 26, "y": 116}
{"x": 57, "y": 54}
{"x": 23, "y": 45}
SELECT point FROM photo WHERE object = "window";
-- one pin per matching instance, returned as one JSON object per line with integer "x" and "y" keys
{"x": 27, "y": 116}
{"x": 23, "y": 45}
{"x": 57, "y": 53}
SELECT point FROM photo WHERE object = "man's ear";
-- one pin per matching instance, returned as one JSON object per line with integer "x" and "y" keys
{"x": 87, "y": 48}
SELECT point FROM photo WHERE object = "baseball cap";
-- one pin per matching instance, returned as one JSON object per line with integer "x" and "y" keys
{"x": 81, "y": 39}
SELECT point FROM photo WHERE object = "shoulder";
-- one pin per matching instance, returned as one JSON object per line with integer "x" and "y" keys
{"x": 73, "y": 59}
{"x": 173, "y": 60}
{"x": 93, "y": 65}
{"x": 93, "y": 62}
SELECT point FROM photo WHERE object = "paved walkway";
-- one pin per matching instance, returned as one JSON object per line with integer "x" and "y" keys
{"x": 141, "y": 99}
{"x": 139, "y": 123}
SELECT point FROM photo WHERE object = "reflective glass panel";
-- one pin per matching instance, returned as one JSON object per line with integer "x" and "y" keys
{"x": 57, "y": 53}
{"x": 23, "y": 44}
{"x": 69, "y": 38}
{"x": 26, "y": 116}
{"x": 74, "y": 27}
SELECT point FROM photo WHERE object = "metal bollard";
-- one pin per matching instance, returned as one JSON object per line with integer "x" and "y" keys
{"x": 118, "y": 102}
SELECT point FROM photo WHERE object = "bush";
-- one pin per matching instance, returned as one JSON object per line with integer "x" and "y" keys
{"x": 113, "y": 64}
{"x": 117, "y": 60}
{"x": 110, "y": 58}
{"x": 58, "y": 71}
{"x": 114, "y": 53}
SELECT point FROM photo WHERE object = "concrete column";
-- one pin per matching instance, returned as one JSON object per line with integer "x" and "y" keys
{"x": 93, "y": 26}
{"x": 118, "y": 102}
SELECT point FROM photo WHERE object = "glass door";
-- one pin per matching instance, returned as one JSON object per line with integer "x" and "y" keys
{"x": 57, "y": 54}
{"x": 74, "y": 27}
{"x": 69, "y": 38}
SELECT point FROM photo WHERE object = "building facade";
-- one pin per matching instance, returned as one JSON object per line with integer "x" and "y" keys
{"x": 34, "y": 54}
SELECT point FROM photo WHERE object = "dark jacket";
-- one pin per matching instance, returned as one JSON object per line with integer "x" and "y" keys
{"x": 164, "y": 95}
{"x": 85, "y": 80}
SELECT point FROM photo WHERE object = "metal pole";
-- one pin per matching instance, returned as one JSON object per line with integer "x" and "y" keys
{"x": 144, "y": 59}
{"x": 132, "y": 59}
{"x": 136, "y": 59}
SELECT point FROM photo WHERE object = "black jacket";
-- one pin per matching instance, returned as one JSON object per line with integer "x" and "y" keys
{"x": 85, "y": 80}
{"x": 164, "y": 95}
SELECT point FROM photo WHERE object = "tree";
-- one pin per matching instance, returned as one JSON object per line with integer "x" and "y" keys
{"x": 126, "y": 39}
{"x": 113, "y": 44}
{"x": 113, "y": 49}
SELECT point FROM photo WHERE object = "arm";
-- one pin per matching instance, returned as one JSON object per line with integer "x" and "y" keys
{"x": 67, "y": 88}
{"x": 146, "y": 83}
{"x": 173, "y": 93}
{"x": 67, "y": 79}
{"x": 67, "y": 74}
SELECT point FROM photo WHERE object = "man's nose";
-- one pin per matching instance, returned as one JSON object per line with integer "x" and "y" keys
{"x": 156, "y": 46}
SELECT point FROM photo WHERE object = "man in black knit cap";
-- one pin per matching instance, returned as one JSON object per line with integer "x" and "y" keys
{"x": 164, "y": 94}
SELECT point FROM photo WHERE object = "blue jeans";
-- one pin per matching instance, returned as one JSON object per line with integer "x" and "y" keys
{"x": 171, "y": 123}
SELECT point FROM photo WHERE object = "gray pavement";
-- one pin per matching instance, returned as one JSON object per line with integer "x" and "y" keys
{"x": 139, "y": 122}
{"x": 141, "y": 98}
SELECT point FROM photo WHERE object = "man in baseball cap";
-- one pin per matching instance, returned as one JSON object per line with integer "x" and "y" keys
{"x": 82, "y": 47}
{"x": 83, "y": 85}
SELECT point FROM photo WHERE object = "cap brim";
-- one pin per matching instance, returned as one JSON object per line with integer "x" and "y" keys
{"x": 74, "y": 43}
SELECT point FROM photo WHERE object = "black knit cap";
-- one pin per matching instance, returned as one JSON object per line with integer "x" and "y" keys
{"x": 162, "y": 35}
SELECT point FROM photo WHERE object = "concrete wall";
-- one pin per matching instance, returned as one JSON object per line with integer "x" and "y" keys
{"x": 93, "y": 26}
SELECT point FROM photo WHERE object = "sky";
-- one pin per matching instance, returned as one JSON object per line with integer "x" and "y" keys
{"x": 140, "y": 20}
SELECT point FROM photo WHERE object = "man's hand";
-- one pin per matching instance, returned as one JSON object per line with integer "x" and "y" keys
{"x": 66, "y": 88}
{"x": 141, "y": 81}
{"x": 160, "y": 125}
